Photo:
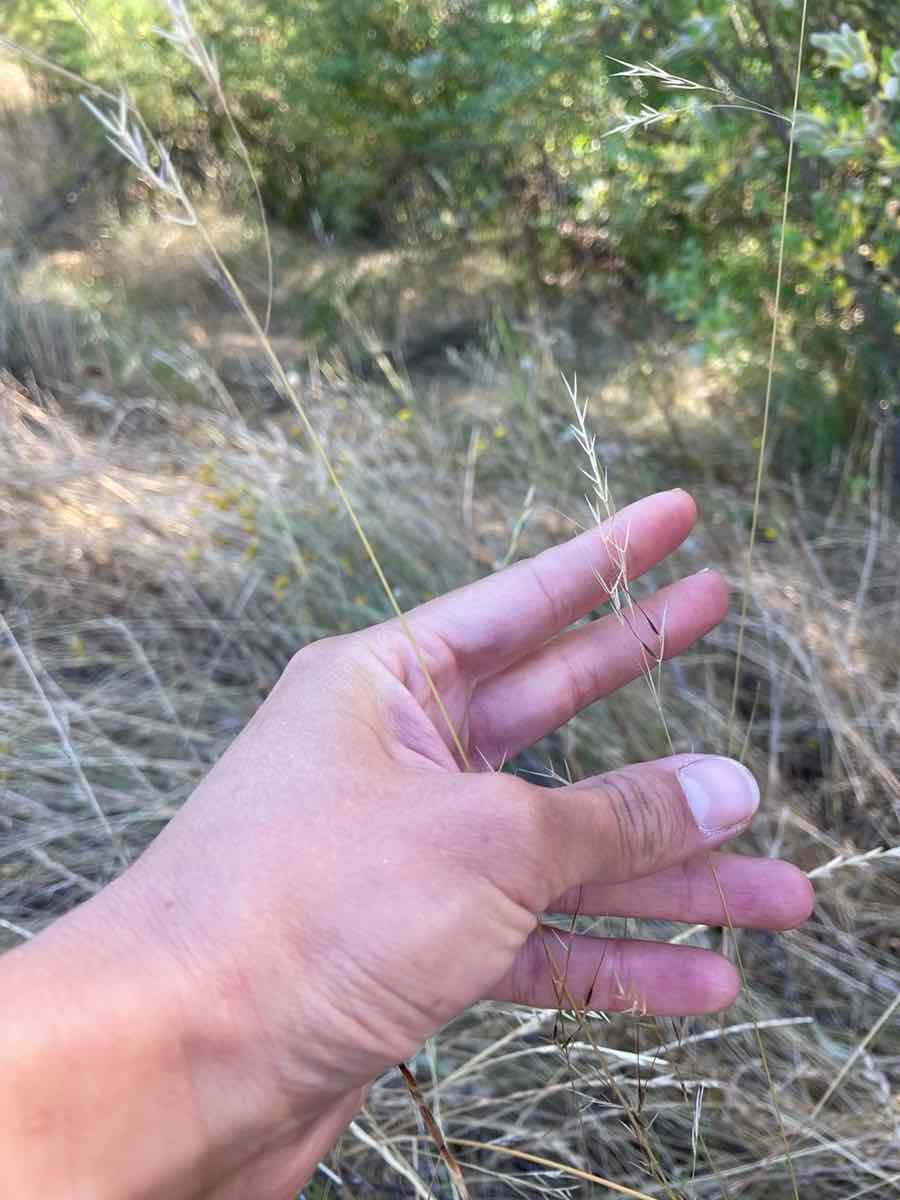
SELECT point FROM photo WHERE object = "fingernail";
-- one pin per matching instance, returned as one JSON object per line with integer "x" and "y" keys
{"x": 721, "y": 793}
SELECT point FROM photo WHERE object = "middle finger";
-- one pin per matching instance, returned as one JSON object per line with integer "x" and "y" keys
{"x": 514, "y": 709}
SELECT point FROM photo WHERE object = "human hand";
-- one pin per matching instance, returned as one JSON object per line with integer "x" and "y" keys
{"x": 365, "y": 890}
{"x": 338, "y": 888}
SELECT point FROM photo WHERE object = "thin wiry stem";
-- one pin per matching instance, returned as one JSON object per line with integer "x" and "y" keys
{"x": 185, "y": 39}
{"x": 64, "y": 739}
{"x": 649, "y": 115}
{"x": 126, "y": 136}
{"x": 845, "y": 1069}
{"x": 770, "y": 376}
{"x": 563, "y": 1168}
{"x": 291, "y": 392}
{"x": 627, "y": 610}
{"x": 757, "y": 1035}
{"x": 435, "y": 1133}
{"x": 770, "y": 1083}
{"x": 46, "y": 64}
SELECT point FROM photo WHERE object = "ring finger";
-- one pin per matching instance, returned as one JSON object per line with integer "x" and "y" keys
{"x": 560, "y": 970}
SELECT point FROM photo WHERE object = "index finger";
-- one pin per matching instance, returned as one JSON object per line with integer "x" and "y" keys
{"x": 491, "y": 623}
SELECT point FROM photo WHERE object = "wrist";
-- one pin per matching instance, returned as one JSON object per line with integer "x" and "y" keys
{"x": 130, "y": 1073}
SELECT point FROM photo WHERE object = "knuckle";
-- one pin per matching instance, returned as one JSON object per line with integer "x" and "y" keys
{"x": 323, "y": 654}
{"x": 526, "y": 972}
{"x": 327, "y": 667}
{"x": 517, "y": 839}
{"x": 690, "y": 891}
{"x": 577, "y": 681}
{"x": 643, "y": 822}
{"x": 549, "y": 595}
{"x": 311, "y": 654}
{"x": 500, "y": 794}
{"x": 511, "y": 813}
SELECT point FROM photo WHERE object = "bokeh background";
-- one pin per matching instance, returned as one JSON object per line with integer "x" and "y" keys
{"x": 464, "y": 202}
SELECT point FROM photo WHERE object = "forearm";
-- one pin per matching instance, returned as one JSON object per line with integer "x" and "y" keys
{"x": 120, "y": 1079}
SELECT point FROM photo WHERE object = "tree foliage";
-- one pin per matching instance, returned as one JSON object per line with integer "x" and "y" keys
{"x": 442, "y": 119}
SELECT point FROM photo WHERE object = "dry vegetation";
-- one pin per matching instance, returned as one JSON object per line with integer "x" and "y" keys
{"x": 168, "y": 540}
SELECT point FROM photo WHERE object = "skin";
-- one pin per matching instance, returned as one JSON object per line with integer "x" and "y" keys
{"x": 338, "y": 888}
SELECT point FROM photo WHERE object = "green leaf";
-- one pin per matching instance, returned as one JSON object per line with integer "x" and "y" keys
{"x": 848, "y": 52}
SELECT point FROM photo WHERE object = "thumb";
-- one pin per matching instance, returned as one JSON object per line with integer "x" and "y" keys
{"x": 643, "y": 818}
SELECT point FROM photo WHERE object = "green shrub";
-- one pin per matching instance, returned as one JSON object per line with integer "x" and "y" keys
{"x": 421, "y": 120}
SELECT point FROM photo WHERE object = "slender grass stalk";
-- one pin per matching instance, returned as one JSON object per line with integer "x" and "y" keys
{"x": 64, "y": 739}
{"x": 763, "y": 1057}
{"x": 291, "y": 392}
{"x": 184, "y": 38}
{"x": 770, "y": 378}
{"x": 434, "y": 1132}
{"x": 130, "y": 142}
{"x": 846, "y": 1068}
{"x": 626, "y": 609}
{"x": 564, "y": 1168}
{"x": 46, "y": 64}
{"x": 566, "y": 1003}
{"x": 748, "y": 567}
{"x": 598, "y": 479}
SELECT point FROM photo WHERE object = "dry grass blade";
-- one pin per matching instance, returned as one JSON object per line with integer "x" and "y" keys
{"x": 126, "y": 136}
{"x": 434, "y": 1132}
{"x": 393, "y": 1159}
{"x": 748, "y": 572}
{"x": 564, "y": 1168}
{"x": 848, "y": 1065}
{"x": 770, "y": 379}
{"x": 64, "y": 739}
